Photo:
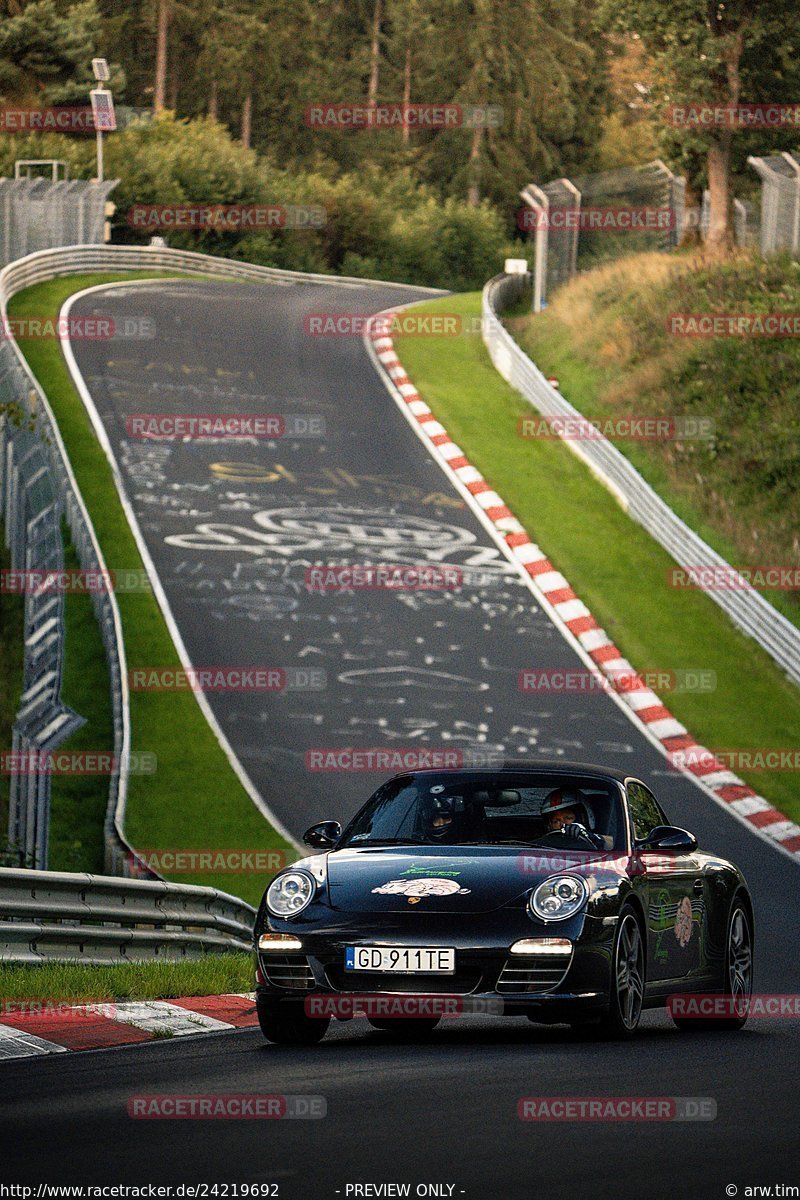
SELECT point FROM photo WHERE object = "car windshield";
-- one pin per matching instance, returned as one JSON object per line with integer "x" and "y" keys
{"x": 526, "y": 810}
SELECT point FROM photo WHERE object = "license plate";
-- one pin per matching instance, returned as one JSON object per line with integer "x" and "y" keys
{"x": 401, "y": 960}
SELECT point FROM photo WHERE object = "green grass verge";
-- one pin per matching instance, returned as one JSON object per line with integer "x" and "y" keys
{"x": 77, "y": 982}
{"x": 12, "y": 616}
{"x": 615, "y": 567}
{"x": 605, "y": 338}
{"x": 193, "y": 800}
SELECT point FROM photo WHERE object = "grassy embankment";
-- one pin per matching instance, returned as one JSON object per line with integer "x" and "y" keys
{"x": 605, "y": 337}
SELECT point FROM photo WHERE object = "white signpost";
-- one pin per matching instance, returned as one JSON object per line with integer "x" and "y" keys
{"x": 105, "y": 119}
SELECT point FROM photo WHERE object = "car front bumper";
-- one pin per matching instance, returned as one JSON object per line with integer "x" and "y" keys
{"x": 488, "y": 978}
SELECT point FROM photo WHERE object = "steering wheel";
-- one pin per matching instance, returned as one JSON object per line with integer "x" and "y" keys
{"x": 574, "y": 832}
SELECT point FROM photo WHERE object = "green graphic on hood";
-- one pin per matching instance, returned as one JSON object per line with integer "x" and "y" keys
{"x": 440, "y": 874}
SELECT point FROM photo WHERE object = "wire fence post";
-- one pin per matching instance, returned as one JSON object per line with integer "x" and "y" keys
{"x": 795, "y": 166}
{"x": 39, "y": 214}
{"x": 780, "y": 201}
{"x": 536, "y": 199}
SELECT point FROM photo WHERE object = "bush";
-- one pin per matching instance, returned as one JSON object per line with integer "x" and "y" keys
{"x": 378, "y": 224}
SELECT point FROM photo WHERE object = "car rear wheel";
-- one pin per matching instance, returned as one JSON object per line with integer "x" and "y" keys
{"x": 737, "y": 983}
{"x": 627, "y": 980}
{"x": 286, "y": 1023}
{"x": 405, "y": 1028}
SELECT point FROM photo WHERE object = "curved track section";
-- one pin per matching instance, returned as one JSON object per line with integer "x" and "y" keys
{"x": 232, "y": 529}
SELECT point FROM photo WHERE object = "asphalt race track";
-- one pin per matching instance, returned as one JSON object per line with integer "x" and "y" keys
{"x": 232, "y": 528}
{"x": 443, "y": 1112}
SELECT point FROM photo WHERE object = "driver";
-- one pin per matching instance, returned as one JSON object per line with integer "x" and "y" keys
{"x": 565, "y": 812}
{"x": 438, "y": 817}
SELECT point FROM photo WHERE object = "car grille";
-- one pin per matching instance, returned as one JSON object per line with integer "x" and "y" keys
{"x": 287, "y": 971}
{"x": 536, "y": 975}
{"x": 460, "y": 984}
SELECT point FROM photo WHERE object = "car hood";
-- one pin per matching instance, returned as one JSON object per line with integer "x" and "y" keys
{"x": 434, "y": 879}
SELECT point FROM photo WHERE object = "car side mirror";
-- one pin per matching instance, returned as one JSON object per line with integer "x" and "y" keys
{"x": 670, "y": 839}
{"x": 323, "y": 836}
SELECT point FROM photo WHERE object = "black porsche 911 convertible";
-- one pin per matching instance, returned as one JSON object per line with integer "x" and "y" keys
{"x": 556, "y": 892}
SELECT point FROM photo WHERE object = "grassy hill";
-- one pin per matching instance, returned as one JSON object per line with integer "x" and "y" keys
{"x": 605, "y": 336}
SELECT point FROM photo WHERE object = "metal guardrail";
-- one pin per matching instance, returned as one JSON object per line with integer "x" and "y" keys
{"x": 33, "y": 537}
{"x": 748, "y": 609}
{"x": 72, "y": 260}
{"x": 54, "y": 916}
{"x": 18, "y": 385}
{"x": 41, "y": 705}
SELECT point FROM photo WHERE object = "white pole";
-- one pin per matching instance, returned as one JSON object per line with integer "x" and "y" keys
{"x": 539, "y": 261}
{"x": 540, "y": 203}
{"x": 573, "y": 250}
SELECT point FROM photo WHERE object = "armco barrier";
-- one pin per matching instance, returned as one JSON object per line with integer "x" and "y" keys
{"x": 33, "y": 537}
{"x": 18, "y": 386}
{"x": 50, "y": 916}
{"x": 748, "y": 609}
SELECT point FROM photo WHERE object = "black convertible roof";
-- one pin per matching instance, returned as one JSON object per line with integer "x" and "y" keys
{"x": 539, "y": 767}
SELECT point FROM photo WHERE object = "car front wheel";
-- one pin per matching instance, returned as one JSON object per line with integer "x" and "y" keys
{"x": 626, "y": 993}
{"x": 286, "y": 1023}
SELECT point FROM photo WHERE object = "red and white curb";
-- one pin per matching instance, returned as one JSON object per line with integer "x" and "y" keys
{"x": 32, "y": 1028}
{"x": 550, "y": 586}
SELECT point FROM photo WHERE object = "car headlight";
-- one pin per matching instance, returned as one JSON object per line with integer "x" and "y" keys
{"x": 559, "y": 897}
{"x": 290, "y": 893}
